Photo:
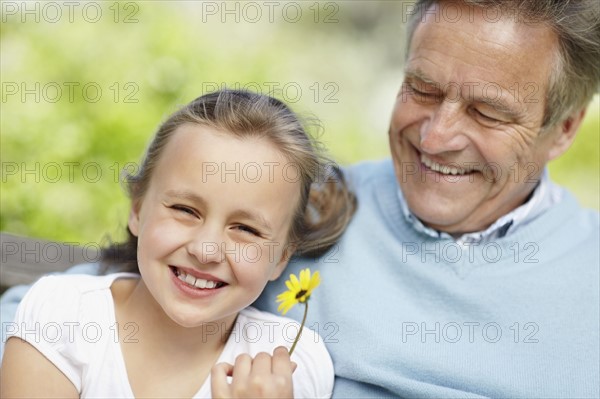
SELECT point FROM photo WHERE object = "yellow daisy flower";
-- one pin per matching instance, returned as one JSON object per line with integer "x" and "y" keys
{"x": 299, "y": 290}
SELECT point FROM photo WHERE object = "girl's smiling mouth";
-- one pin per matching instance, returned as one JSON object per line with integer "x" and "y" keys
{"x": 208, "y": 282}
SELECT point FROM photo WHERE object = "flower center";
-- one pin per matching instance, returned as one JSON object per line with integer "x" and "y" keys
{"x": 300, "y": 294}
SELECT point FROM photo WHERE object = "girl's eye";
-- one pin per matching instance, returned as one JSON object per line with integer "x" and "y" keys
{"x": 184, "y": 209}
{"x": 248, "y": 229}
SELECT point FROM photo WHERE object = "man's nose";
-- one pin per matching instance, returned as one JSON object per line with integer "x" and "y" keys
{"x": 444, "y": 130}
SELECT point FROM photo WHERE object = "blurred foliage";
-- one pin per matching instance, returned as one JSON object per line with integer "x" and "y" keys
{"x": 64, "y": 142}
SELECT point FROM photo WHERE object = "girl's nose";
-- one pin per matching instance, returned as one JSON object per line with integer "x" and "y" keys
{"x": 207, "y": 246}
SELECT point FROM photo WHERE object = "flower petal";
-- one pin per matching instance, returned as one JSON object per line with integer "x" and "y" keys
{"x": 304, "y": 278}
{"x": 289, "y": 285}
{"x": 298, "y": 290}
{"x": 295, "y": 283}
{"x": 314, "y": 281}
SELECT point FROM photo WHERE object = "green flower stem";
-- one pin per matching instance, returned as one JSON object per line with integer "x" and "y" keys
{"x": 301, "y": 327}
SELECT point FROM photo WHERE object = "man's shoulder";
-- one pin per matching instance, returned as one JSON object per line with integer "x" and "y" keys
{"x": 364, "y": 172}
{"x": 586, "y": 219}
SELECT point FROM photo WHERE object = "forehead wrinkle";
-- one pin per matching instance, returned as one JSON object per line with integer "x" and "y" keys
{"x": 490, "y": 47}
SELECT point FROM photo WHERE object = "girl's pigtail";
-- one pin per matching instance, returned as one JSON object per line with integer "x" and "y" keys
{"x": 330, "y": 207}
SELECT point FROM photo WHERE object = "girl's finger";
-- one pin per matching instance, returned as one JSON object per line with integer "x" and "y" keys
{"x": 241, "y": 369}
{"x": 261, "y": 365}
{"x": 218, "y": 380}
{"x": 281, "y": 361}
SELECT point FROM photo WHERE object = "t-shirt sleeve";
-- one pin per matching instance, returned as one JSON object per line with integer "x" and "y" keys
{"x": 47, "y": 319}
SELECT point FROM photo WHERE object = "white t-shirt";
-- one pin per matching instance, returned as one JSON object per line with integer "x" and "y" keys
{"x": 71, "y": 320}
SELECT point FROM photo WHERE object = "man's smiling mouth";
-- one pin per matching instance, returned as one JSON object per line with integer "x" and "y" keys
{"x": 453, "y": 169}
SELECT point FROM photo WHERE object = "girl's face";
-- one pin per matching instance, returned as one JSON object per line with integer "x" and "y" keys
{"x": 212, "y": 227}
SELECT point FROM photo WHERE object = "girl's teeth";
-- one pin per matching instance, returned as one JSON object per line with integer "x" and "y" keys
{"x": 196, "y": 282}
{"x": 200, "y": 283}
{"x": 191, "y": 280}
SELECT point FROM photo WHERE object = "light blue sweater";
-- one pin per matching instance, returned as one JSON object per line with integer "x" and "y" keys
{"x": 407, "y": 315}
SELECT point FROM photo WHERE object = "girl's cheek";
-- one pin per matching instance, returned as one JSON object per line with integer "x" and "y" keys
{"x": 252, "y": 253}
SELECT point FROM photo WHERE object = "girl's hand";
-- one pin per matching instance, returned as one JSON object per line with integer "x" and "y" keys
{"x": 265, "y": 376}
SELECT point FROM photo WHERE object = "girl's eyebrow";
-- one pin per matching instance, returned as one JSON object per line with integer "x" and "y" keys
{"x": 242, "y": 213}
{"x": 187, "y": 195}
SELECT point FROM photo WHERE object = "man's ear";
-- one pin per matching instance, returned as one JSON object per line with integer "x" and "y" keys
{"x": 285, "y": 258}
{"x": 134, "y": 218}
{"x": 567, "y": 132}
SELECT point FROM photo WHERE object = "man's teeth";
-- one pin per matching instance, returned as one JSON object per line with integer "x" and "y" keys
{"x": 196, "y": 282}
{"x": 447, "y": 170}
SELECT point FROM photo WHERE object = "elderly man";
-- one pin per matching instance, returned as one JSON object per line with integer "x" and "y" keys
{"x": 466, "y": 272}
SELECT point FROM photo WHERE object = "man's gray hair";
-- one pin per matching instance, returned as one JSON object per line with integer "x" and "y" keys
{"x": 576, "y": 74}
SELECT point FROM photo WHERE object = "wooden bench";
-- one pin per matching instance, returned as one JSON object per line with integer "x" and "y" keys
{"x": 23, "y": 260}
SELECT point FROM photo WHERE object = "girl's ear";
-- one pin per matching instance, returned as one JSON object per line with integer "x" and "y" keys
{"x": 285, "y": 258}
{"x": 134, "y": 218}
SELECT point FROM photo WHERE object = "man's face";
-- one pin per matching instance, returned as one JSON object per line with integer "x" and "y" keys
{"x": 465, "y": 130}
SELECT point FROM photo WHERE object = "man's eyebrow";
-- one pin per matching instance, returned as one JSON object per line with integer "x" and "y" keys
{"x": 419, "y": 75}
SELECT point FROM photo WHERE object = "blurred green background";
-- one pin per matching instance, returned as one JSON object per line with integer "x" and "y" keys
{"x": 85, "y": 84}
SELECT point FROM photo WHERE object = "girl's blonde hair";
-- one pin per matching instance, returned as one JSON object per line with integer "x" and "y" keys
{"x": 326, "y": 204}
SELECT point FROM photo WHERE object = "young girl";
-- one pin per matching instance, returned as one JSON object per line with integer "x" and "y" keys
{"x": 230, "y": 187}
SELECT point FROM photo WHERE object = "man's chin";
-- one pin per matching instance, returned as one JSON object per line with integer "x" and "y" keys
{"x": 449, "y": 220}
